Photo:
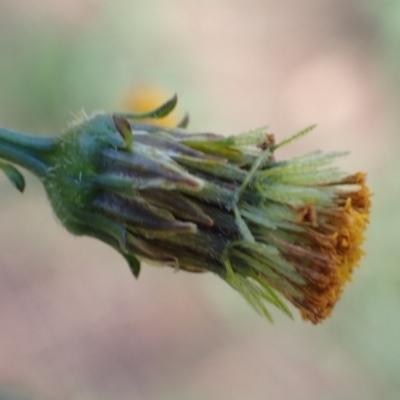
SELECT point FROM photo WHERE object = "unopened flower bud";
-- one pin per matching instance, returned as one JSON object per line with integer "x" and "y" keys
{"x": 204, "y": 202}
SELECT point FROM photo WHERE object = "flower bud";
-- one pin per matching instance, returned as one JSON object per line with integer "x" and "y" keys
{"x": 204, "y": 202}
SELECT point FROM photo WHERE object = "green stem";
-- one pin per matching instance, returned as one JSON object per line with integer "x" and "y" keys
{"x": 27, "y": 151}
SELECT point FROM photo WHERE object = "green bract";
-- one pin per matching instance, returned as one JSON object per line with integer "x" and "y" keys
{"x": 204, "y": 202}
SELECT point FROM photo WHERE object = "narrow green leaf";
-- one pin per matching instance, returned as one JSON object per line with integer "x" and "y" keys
{"x": 134, "y": 264}
{"x": 294, "y": 137}
{"x": 159, "y": 112}
{"x": 124, "y": 129}
{"x": 184, "y": 122}
{"x": 13, "y": 175}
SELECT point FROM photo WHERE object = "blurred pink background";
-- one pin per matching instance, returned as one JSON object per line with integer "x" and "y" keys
{"x": 74, "y": 323}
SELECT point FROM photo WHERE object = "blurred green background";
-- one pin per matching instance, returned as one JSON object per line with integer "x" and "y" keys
{"x": 74, "y": 324}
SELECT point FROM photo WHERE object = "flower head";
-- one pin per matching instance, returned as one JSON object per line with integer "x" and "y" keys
{"x": 204, "y": 202}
